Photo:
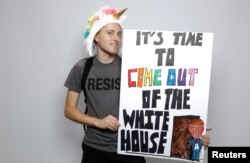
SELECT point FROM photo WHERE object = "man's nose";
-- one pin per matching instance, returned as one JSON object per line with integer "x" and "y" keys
{"x": 116, "y": 37}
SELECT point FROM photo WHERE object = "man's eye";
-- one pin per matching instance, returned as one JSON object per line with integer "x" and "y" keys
{"x": 110, "y": 33}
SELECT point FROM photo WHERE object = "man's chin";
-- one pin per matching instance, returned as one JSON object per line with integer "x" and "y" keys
{"x": 114, "y": 52}
{"x": 111, "y": 52}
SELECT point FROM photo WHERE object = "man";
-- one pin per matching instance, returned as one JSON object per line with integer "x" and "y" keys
{"x": 103, "y": 37}
{"x": 196, "y": 129}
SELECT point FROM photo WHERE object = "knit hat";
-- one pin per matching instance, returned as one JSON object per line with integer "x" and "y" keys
{"x": 106, "y": 15}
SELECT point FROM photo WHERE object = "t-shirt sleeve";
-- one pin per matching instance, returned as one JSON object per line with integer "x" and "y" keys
{"x": 74, "y": 79}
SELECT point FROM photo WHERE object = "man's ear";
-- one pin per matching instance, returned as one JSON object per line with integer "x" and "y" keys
{"x": 96, "y": 38}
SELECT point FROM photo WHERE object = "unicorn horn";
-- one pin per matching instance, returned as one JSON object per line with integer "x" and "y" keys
{"x": 117, "y": 15}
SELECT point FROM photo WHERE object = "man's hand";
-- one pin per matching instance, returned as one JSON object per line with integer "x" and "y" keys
{"x": 109, "y": 122}
{"x": 206, "y": 138}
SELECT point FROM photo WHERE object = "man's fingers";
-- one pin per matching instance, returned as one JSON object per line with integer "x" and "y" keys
{"x": 113, "y": 123}
{"x": 208, "y": 128}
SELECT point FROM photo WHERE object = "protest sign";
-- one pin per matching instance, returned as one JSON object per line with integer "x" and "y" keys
{"x": 164, "y": 93}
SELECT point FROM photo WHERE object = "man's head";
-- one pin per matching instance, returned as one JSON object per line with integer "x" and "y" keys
{"x": 99, "y": 21}
{"x": 196, "y": 128}
{"x": 108, "y": 39}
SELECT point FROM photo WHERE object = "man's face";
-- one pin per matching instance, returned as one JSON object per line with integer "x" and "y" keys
{"x": 108, "y": 39}
{"x": 196, "y": 128}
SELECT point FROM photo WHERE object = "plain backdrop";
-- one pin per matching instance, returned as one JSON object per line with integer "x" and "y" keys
{"x": 42, "y": 39}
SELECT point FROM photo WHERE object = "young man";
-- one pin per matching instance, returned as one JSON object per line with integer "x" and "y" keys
{"x": 103, "y": 37}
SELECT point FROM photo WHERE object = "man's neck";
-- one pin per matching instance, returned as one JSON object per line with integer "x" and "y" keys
{"x": 105, "y": 58}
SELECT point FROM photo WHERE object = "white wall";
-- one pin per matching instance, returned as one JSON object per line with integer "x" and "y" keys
{"x": 42, "y": 39}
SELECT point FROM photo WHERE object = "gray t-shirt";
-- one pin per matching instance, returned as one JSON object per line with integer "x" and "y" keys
{"x": 103, "y": 91}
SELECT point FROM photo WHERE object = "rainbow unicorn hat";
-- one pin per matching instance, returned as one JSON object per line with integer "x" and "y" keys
{"x": 106, "y": 15}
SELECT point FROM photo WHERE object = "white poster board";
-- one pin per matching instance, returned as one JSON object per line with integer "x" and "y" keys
{"x": 165, "y": 76}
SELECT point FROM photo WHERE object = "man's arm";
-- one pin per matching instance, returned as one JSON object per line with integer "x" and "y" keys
{"x": 73, "y": 113}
